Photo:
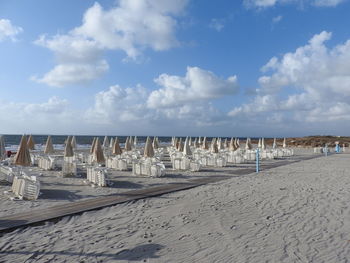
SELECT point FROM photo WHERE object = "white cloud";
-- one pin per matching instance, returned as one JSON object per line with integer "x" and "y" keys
{"x": 317, "y": 79}
{"x": 131, "y": 26}
{"x": 330, "y": 3}
{"x": 63, "y": 74}
{"x": 119, "y": 104}
{"x": 217, "y": 24}
{"x": 271, "y": 3}
{"x": 52, "y": 116}
{"x": 197, "y": 85}
{"x": 277, "y": 19}
{"x": 135, "y": 107}
{"x": 8, "y": 31}
{"x": 260, "y": 3}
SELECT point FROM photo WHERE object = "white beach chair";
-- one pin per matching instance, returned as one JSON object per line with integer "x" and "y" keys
{"x": 148, "y": 167}
{"x": 26, "y": 187}
{"x": 97, "y": 175}
{"x": 69, "y": 169}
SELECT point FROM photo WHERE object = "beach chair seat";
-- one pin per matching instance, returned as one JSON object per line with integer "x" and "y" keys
{"x": 266, "y": 155}
{"x": 148, "y": 167}
{"x": 136, "y": 168}
{"x": 26, "y": 187}
{"x": 195, "y": 166}
{"x": 97, "y": 175}
{"x": 69, "y": 169}
{"x": 46, "y": 163}
{"x": 10, "y": 172}
{"x": 250, "y": 155}
{"x": 220, "y": 161}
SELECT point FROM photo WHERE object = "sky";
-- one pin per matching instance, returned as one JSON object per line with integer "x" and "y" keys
{"x": 175, "y": 67}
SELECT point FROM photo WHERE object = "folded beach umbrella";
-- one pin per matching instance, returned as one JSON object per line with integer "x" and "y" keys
{"x": 205, "y": 144}
{"x": 74, "y": 142}
{"x": 68, "y": 140}
{"x": 105, "y": 142}
{"x": 148, "y": 152}
{"x": 263, "y": 147}
{"x": 225, "y": 143}
{"x": 248, "y": 145}
{"x": 259, "y": 143}
{"x": 93, "y": 145}
{"x": 284, "y": 143}
{"x": 22, "y": 156}
{"x": 233, "y": 146}
{"x": 131, "y": 141}
{"x": 274, "y": 145}
{"x": 31, "y": 143}
{"x": 68, "y": 149}
{"x": 187, "y": 150}
{"x": 195, "y": 143}
{"x": 97, "y": 155}
{"x": 127, "y": 146}
{"x": 176, "y": 143}
{"x": 190, "y": 141}
{"x": 135, "y": 142}
{"x": 111, "y": 143}
{"x": 2, "y": 148}
{"x": 116, "y": 147}
{"x": 155, "y": 143}
{"x": 48, "y": 146}
{"x": 220, "y": 144}
{"x": 238, "y": 145}
{"x": 180, "y": 147}
{"x": 214, "y": 146}
{"x": 199, "y": 140}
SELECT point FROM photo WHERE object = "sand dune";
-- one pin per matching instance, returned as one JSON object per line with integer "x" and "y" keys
{"x": 294, "y": 213}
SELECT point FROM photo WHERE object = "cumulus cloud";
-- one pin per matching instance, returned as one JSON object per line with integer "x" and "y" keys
{"x": 197, "y": 85}
{"x": 271, "y": 3}
{"x": 51, "y": 116}
{"x": 217, "y": 24}
{"x": 316, "y": 77}
{"x": 119, "y": 104}
{"x": 131, "y": 26}
{"x": 8, "y": 31}
{"x": 164, "y": 110}
{"x": 63, "y": 74}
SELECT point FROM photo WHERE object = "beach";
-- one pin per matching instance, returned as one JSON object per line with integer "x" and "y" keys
{"x": 293, "y": 213}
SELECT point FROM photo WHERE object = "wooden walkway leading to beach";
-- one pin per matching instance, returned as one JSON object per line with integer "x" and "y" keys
{"x": 38, "y": 216}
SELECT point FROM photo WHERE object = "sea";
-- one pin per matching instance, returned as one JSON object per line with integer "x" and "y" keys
{"x": 83, "y": 141}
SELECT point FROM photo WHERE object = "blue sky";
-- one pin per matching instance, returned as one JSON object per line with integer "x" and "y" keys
{"x": 175, "y": 67}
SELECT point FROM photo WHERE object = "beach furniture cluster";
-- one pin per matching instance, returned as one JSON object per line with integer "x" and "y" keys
{"x": 150, "y": 164}
{"x": 141, "y": 160}
{"x": 194, "y": 154}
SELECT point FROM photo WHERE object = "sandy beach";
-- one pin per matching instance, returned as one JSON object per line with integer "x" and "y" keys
{"x": 293, "y": 213}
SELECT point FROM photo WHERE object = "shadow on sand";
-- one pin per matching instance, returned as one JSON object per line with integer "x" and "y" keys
{"x": 135, "y": 254}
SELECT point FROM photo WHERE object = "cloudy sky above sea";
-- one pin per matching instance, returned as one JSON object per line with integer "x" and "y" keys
{"x": 175, "y": 67}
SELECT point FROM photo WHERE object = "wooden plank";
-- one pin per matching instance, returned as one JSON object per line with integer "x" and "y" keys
{"x": 39, "y": 215}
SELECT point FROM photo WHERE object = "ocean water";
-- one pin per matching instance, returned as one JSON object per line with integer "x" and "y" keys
{"x": 83, "y": 141}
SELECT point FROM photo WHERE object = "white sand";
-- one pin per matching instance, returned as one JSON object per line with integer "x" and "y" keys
{"x": 294, "y": 213}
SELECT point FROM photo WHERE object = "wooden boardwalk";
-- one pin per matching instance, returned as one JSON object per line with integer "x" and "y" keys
{"x": 37, "y": 216}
